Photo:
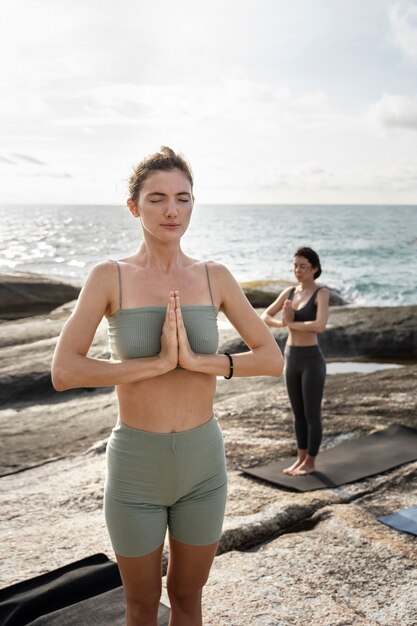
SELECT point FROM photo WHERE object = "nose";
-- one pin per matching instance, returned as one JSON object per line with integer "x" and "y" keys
{"x": 171, "y": 208}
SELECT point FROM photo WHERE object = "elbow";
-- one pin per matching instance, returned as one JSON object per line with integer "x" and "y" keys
{"x": 278, "y": 367}
{"x": 276, "y": 363}
{"x": 266, "y": 318}
{"x": 59, "y": 379}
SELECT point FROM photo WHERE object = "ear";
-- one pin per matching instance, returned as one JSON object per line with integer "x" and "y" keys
{"x": 132, "y": 207}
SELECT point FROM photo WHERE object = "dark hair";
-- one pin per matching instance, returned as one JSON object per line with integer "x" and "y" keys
{"x": 311, "y": 256}
{"x": 164, "y": 160}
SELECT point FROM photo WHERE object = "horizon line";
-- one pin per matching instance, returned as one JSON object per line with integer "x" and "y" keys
{"x": 223, "y": 204}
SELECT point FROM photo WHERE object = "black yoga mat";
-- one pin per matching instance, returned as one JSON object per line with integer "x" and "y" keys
{"x": 346, "y": 462}
{"x": 404, "y": 520}
{"x": 85, "y": 592}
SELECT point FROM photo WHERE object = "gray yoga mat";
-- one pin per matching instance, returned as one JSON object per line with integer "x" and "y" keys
{"x": 106, "y": 609}
{"x": 404, "y": 520}
{"x": 346, "y": 462}
{"x": 86, "y": 592}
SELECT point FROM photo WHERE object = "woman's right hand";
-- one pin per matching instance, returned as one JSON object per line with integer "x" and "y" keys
{"x": 169, "y": 339}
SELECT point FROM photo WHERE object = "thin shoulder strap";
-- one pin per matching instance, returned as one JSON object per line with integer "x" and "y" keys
{"x": 120, "y": 284}
{"x": 317, "y": 290}
{"x": 208, "y": 282}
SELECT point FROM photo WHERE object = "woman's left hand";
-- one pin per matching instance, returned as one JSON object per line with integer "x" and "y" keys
{"x": 186, "y": 357}
{"x": 287, "y": 313}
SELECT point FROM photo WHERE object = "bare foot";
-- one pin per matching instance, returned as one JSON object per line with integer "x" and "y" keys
{"x": 303, "y": 470}
{"x": 289, "y": 470}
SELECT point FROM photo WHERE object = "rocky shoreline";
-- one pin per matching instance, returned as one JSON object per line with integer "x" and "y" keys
{"x": 285, "y": 558}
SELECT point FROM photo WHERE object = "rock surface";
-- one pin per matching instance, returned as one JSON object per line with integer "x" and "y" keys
{"x": 24, "y": 294}
{"x": 284, "y": 558}
{"x": 26, "y": 346}
{"x": 26, "y": 350}
{"x": 352, "y": 332}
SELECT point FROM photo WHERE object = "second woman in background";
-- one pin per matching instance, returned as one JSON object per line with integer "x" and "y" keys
{"x": 305, "y": 310}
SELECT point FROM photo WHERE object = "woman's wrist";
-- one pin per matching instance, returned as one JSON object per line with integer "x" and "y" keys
{"x": 165, "y": 364}
{"x": 215, "y": 364}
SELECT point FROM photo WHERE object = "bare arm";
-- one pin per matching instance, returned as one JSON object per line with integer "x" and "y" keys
{"x": 319, "y": 324}
{"x": 71, "y": 367}
{"x": 269, "y": 314}
{"x": 264, "y": 357}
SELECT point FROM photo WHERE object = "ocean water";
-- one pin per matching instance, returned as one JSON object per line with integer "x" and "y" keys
{"x": 367, "y": 252}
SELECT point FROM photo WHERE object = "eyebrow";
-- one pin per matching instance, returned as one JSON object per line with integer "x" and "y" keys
{"x": 159, "y": 193}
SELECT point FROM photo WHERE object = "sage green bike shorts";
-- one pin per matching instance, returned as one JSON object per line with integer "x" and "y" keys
{"x": 157, "y": 481}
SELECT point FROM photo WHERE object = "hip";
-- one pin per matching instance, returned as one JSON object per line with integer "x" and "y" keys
{"x": 138, "y": 460}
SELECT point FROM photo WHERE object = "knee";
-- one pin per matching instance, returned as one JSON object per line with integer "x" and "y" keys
{"x": 142, "y": 606}
{"x": 185, "y": 597}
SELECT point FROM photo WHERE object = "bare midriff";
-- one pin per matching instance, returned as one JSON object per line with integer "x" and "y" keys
{"x": 300, "y": 338}
{"x": 174, "y": 402}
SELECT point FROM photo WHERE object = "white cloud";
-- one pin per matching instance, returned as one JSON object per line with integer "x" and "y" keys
{"x": 403, "y": 19}
{"x": 395, "y": 111}
{"x": 271, "y": 97}
{"x": 28, "y": 159}
{"x": 27, "y": 166}
{"x": 260, "y": 106}
{"x": 7, "y": 160}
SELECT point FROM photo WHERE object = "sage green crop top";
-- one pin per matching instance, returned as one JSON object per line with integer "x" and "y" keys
{"x": 136, "y": 332}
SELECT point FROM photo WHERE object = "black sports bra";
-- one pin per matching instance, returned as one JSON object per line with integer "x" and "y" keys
{"x": 308, "y": 312}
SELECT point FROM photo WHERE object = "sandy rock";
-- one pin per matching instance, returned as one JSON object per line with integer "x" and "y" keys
{"x": 344, "y": 569}
{"x": 254, "y": 413}
{"x": 352, "y": 333}
{"x": 25, "y": 368}
{"x": 319, "y": 555}
{"x": 34, "y": 433}
{"x": 24, "y": 294}
{"x": 284, "y": 558}
{"x": 374, "y": 332}
{"x": 30, "y": 329}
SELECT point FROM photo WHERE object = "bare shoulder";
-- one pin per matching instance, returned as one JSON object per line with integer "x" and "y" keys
{"x": 278, "y": 303}
{"x": 286, "y": 292}
{"x": 283, "y": 295}
{"x": 103, "y": 274}
{"x": 219, "y": 271}
{"x": 100, "y": 288}
{"x": 323, "y": 295}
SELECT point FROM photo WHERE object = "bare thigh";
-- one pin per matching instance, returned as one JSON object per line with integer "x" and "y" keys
{"x": 142, "y": 576}
{"x": 189, "y": 566}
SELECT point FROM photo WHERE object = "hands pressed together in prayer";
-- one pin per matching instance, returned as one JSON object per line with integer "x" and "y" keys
{"x": 175, "y": 347}
{"x": 287, "y": 313}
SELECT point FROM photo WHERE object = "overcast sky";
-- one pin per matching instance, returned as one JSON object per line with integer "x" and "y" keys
{"x": 272, "y": 101}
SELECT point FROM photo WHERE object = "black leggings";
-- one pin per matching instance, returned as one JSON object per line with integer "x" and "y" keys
{"x": 305, "y": 373}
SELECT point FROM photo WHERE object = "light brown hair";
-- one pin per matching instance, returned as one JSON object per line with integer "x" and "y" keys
{"x": 165, "y": 160}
